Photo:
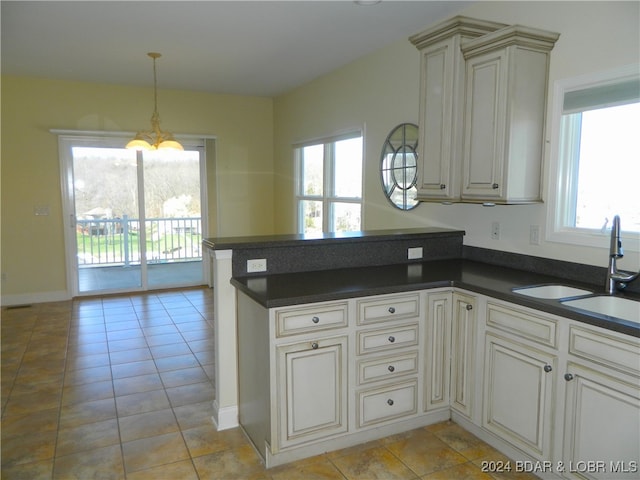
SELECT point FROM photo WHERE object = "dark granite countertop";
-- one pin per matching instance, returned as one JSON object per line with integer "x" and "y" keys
{"x": 284, "y": 240}
{"x": 278, "y": 290}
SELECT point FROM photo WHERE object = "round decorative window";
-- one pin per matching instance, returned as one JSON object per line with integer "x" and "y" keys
{"x": 399, "y": 166}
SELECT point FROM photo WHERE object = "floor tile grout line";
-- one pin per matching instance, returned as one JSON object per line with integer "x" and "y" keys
{"x": 64, "y": 376}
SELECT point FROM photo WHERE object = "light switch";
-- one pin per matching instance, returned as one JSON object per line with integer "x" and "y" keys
{"x": 41, "y": 210}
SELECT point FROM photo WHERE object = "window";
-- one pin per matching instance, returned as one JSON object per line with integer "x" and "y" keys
{"x": 598, "y": 158}
{"x": 329, "y": 185}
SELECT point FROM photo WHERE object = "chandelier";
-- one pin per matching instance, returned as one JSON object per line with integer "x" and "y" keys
{"x": 154, "y": 139}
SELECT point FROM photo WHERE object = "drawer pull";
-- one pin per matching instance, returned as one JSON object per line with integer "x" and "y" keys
{"x": 568, "y": 377}
{"x": 392, "y": 339}
{"x": 390, "y": 402}
{"x": 392, "y": 310}
{"x": 442, "y": 186}
{"x": 548, "y": 368}
{"x": 391, "y": 368}
{"x": 469, "y": 306}
{"x": 315, "y": 319}
{"x": 314, "y": 345}
{"x": 495, "y": 186}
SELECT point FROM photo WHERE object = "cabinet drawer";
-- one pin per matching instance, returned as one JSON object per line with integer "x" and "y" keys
{"x": 606, "y": 349}
{"x": 389, "y": 307}
{"x": 316, "y": 318}
{"x": 387, "y": 338}
{"x": 387, "y": 367}
{"x": 387, "y": 403}
{"x": 523, "y": 324}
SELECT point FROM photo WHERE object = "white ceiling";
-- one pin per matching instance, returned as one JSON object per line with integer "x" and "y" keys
{"x": 260, "y": 48}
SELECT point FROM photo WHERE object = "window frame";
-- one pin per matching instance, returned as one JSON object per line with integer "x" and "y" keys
{"x": 328, "y": 197}
{"x": 564, "y": 162}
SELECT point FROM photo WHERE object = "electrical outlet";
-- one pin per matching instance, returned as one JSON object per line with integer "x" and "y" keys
{"x": 414, "y": 253}
{"x": 534, "y": 234}
{"x": 257, "y": 265}
{"x": 495, "y": 230}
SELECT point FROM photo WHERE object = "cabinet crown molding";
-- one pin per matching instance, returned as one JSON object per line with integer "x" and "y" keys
{"x": 518, "y": 35}
{"x": 459, "y": 25}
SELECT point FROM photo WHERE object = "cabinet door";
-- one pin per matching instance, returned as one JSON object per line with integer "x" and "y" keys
{"x": 485, "y": 117}
{"x": 311, "y": 390}
{"x": 518, "y": 394}
{"x": 437, "y": 350}
{"x": 440, "y": 126}
{"x": 602, "y": 423}
{"x": 463, "y": 351}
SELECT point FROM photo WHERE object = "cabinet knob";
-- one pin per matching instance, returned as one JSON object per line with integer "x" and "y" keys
{"x": 495, "y": 186}
{"x": 469, "y": 306}
{"x": 315, "y": 319}
{"x": 548, "y": 368}
{"x": 389, "y": 402}
{"x": 392, "y": 339}
{"x": 568, "y": 377}
{"x": 392, "y": 310}
{"x": 442, "y": 186}
{"x": 314, "y": 345}
{"x": 391, "y": 368}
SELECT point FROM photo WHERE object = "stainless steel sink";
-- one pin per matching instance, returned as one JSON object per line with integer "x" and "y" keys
{"x": 551, "y": 291}
{"x": 612, "y": 306}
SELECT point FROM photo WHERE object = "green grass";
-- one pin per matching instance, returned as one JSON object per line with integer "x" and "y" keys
{"x": 114, "y": 246}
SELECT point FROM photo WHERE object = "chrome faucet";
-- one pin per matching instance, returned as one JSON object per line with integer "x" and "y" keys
{"x": 616, "y": 279}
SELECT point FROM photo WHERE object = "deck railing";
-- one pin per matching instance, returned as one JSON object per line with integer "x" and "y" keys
{"x": 116, "y": 241}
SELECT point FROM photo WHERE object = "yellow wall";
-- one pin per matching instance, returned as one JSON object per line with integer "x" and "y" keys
{"x": 382, "y": 90}
{"x": 33, "y": 254}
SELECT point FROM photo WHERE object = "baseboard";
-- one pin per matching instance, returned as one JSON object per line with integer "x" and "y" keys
{"x": 224, "y": 418}
{"x": 10, "y": 300}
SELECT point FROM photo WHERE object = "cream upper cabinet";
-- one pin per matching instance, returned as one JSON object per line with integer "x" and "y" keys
{"x": 482, "y": 107}
{"x": 442, "y": 73}
{"x": 504, "y": 116}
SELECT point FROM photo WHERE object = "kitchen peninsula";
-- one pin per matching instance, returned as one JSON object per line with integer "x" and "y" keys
{"x": 411, "y": 327}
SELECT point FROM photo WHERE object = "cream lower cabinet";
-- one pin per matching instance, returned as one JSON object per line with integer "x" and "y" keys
{"x": 518, "y": 395}
{"x": 520, "y": 373}
{"x": 387, "y": 358}
{"x": 437, "y": 362}
{"x": 602, "y": 406}
{"x": 538, "y": 387}
{"x": 463, "y": 352}
{"x": 311, "y": 379}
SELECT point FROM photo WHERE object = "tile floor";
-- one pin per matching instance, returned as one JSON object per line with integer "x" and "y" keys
{"x": 121, "y": 387}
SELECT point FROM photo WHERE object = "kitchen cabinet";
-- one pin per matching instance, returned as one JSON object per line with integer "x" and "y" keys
{"x": 483, "y": 89}
{"x": 538, "y": 387}
{"x": 519, "y": 378}
{"x": 293, "y": 373}
{"x": 311, "y": 381}
{"x": 437, "y": 343}
{"x": 388, "y": 357}
{"x": 463, "y": 352}
{"x": 442, "y": 75}
{"x": 518, "y": 394}
{"x": 602, "y": 405}
{"x": 504, "y": 116}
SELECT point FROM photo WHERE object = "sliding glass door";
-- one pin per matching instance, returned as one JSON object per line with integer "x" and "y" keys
{"x": 135, "y": 219}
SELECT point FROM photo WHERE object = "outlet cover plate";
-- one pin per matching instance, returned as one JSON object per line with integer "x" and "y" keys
{"x": 256, "y": 265}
